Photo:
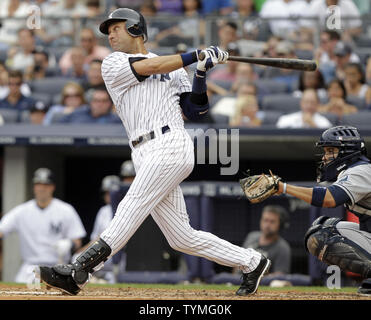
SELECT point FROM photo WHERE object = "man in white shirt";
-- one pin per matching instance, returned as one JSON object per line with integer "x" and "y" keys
{"x": 285, "y": 28}
{"x": 49, "y": 229}
{"x": 307, "y": 117}
{"x": 323, "y": 9}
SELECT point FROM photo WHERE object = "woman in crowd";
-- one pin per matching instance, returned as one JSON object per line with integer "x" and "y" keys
{"x": 73, "y": 97}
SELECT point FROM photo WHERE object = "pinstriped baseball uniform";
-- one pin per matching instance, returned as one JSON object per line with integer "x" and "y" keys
{"x": 161, "y": 164}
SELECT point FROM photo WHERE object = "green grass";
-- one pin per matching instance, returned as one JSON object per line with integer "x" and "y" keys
{"x": 208, "y": 287}
{"x": 220, "y": 287}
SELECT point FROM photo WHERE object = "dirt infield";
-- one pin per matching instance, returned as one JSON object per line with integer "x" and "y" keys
{"x": 21, "y": 292}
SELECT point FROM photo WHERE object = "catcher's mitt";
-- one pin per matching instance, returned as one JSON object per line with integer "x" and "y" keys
{"x": 259, "y": 187}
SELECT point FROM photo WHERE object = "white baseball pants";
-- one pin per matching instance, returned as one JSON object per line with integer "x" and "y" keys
{"x": 161, "y": 165}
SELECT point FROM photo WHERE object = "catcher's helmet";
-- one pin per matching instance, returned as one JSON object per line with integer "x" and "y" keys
{"x": 135, "y": 23}
{"x": 351, "y": 149}
{"x": 43, "y": 176}
{"x": 127, "y": 169}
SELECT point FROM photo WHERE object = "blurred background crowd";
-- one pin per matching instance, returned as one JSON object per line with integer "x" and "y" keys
{"x": 51, "y": 53}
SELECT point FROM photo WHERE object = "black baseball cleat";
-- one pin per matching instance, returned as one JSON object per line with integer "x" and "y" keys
{"x": 365, "y": 288}
{"x": 53, "y": 279}
{"x": 251, "y": 280}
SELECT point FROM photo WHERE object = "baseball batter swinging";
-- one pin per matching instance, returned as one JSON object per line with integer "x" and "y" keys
{"x": 150, "y": 93}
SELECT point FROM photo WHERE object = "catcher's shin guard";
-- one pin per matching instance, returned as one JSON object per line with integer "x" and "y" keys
{"x": 325, "y": 242}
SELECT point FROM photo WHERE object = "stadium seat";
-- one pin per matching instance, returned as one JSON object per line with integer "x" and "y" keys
{"x": 285, "y": 103}
{"x": 356, "y": 101}
{"x": 43, "y": 97}
{"x": 271, "y": 86}
{"x": 333, "y": 118}
{"x": 53, "y": 85}
{"x": 359, "y": 119}
{"x": 9, "y": 115}
{"x": 220, "y": 118}
{"x": 271, "y": 117}
{"x": 304, "y": 54}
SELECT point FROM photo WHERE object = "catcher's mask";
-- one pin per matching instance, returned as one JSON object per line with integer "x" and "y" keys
{"x": 351, "y": 149}
{"x": 135, "y": 24}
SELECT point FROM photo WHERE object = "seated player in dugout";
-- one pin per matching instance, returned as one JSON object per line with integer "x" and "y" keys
{"x": 274, "y": 219}
{"x": 346, "y": 172}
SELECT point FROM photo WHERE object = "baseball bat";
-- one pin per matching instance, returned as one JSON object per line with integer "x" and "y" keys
{"x": 286, "y": 63}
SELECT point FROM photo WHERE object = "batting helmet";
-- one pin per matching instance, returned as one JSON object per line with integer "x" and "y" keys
{"x": 44, "y": 176}
{"x": 351, "y": 149}
{"x": 127, "y": 169}
{"x": 135, "y": 23}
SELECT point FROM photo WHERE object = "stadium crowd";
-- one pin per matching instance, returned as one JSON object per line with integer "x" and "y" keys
{"x": 50, "y": 72}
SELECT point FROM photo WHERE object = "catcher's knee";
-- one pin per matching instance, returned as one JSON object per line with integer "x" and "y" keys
{"x": 325, "y": 242}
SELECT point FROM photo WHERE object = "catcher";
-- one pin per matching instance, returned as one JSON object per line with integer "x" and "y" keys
{"x": 346, "y": 171}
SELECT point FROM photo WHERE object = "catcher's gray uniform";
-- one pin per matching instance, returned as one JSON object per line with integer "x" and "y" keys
{"x": 356, "y": 182}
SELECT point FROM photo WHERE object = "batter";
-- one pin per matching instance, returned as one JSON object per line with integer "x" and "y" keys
{"x": 151, "y": 95}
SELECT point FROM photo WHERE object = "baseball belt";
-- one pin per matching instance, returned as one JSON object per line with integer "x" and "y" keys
{"x": 148, "y": 136}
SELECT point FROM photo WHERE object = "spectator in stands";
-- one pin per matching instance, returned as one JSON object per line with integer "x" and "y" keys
{"x": 21, "y": 57}
{"x": 134, "y": 4}
{"x": 268, "y": 240}
{"x": 227, "y": 105}
{"x": 36, "y": 114}
{"x": 247, "y": 113}
{"x": 227, "y": 33}
{"x": 325, "y": 54}
{"x": 99, "y": 110}
{"x": 94, "y": 8}
{"x": 226, "y": 72}
{"x": 93, "y": 75}
{"x": 187, "y": 28}
{"x": 245, "y": 72}
{"x": 40, "y": 67}
{"x": 343, "y": 55}
{"x": 320, "y": 8}
{"x": 311, "y": 80}
{"x": 73, "y": 97}
{"x": 170, "y": 7}
{"x": 368, "y": 71}
{"x": 284, "y": 49}
{"x": 12, "y": 9}
{"x": 154, "y": 27}
{"x": 337, "y": 104}
{"x": 308, "y": 116}
{"x": 285, "y": 27}
{"x": 4, "y": 87}
{"x": 355, "y": 81}
{"x": 77, "y": 71}
{"x": 15, "y": 100}
{"x": 217, "y": 7}
{"x": 244, "y": 9}
{"x": 88, "y": 42}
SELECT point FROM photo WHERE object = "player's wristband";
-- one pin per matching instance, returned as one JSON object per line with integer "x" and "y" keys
{"x": 284, "y": 187}
{"x": 318, "y": 195}
{"x": 189, "y": 58}
{"x": 199, "y": 82}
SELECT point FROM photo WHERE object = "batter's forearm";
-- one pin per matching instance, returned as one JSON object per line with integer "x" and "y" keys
{"x": 158, "y": 65}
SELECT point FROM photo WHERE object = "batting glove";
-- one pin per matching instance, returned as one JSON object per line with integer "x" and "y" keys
{"x": 209, "y": 60}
